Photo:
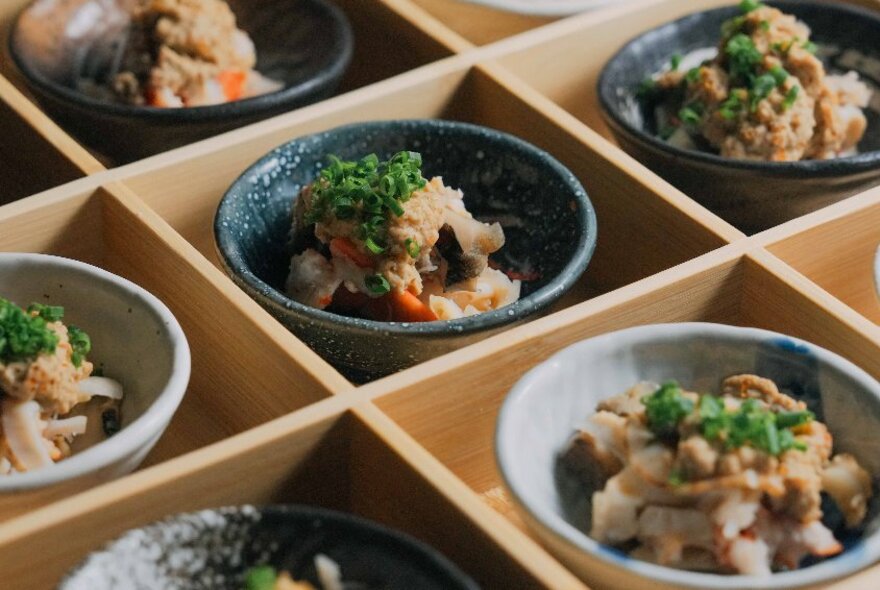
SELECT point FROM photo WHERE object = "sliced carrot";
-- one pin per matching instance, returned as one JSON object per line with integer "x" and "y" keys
{"x": 232, "y": 82}
{"x": 406, "y": 307}
{"x": 344, "y": 247}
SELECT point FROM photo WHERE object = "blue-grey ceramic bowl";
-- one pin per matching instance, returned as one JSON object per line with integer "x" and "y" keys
{"x": 753, "y": 196}
{"x": 214, "y": 548}
{"x": 545, "y": 407}
{"x": 306, "y": 44}
{"x": 547, "y": 218}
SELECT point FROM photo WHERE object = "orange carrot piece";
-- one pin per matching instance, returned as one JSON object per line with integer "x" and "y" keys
{"x": 232, "y": 82}
{"x": 406, "y": 307}
{"x": 344, "y": 247}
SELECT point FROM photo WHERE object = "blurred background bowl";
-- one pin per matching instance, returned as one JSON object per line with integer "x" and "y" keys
{"x": 546, "y": 406}
{"x": 306, "y": 44}
{"x": 214, "y": 548}
{"x": 751, "y": 195}
{"x": 548, "y": 221}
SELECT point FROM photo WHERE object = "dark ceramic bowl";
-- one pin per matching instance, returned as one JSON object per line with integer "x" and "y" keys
{"x": 750, "y": 195}
{"x": 48, "y": 45}
{"x": 547, "y": 218}
{"x": 214, "y": 548}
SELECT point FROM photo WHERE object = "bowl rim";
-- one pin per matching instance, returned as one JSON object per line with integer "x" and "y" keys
{"x": 546, "y": 522}
{"x": 149, "y": 425}
{"x": 281, "y": 304}
{"x": 877, "y": 272}
{"x": 429, "y": 553}
{"x": 550, "y": 8}
{"x": 841, "y": 166}
{"x": 198, "y": 114}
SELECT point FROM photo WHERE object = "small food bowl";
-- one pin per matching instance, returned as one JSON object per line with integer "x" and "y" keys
{"x": 546, "y": 216}
{"x": 545, "y": 407}
{"x": 216, "y": 548}
{"x": 135, "y": 341}
{"x": 55, "y": 42}
{"x": 751, "y": 195}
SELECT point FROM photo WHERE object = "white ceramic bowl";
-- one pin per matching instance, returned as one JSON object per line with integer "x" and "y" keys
{"x": 134, "y": 337}
{"x": 548, "y": 403}
{"x": 877, "y": 271}
{"x": 547, "y": 7}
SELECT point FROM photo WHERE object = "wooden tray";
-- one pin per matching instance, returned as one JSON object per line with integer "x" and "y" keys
{"x": 267, "y": 420}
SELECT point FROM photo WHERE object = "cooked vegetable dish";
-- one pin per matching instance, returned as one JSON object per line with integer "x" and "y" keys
{"x": 730, "y": 483}
{"x": 187, "y": 53}
{"x": 765, "y": 96}
{"x": 267, "y": 578}
{"x": 46, "y": 388}
{"x": 379, "y": 241}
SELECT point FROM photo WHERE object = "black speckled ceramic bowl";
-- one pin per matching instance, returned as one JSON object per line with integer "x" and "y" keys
{"x": 50, "y": 36}
{"x": 751, "y": 195}
{"x": 547, "y": 218}
{"x": 214, "y": 548}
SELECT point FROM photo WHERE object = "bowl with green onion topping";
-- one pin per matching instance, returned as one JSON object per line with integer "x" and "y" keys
{"x": 762, "y": 112}
{"x": 385, "y": 244}
{"x": 697, "y": 455}
{"x": 77, "y": 407}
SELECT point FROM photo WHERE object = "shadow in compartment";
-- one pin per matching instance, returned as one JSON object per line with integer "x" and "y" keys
{"x": 234, "y": 365}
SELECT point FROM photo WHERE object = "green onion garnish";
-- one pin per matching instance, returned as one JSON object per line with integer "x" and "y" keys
{"x": 412, "y": 248}
{"x": 24, "y": 336}
{"x": 377, "y": 284}
{"x": 675, "y": 61}
{"x": 367, "y": 191}
{"x": 262, "y": 577}
{"x": 747, "y": 6}
{"x": 80, "y": 343}
{"x": 790, "y": 97}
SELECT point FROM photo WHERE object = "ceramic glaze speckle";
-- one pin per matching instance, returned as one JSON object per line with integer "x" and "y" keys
{"x": 288, "y": 50}
{"x": 546, "y": 406}
{"x": 753, "y": 196}
{"x": 214, "y": 548}
{"x": 548, "y": 221}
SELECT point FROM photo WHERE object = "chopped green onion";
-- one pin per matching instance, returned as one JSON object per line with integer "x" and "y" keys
{"x": 765, "y": 25}
{"x": 378, "y": 284}
{"x": 790, "y": 97}
{"x": 794, "y": 419}
{"x": 689, "y": 116}
{"x": 779, "y": 74}
{"x": 692, "y": 75}
{"x": 262, "y": 577}
{"x": 675, "y": 61}
{"x": 80, "y": 343}
{"x": 810, "y": 46}
{"x": 761, "y": 89}
{"x": 747, "y": 6}
{"x": 23, "y": 336}
{"x": 50, "y": 313}
{"x": 743, "y": 57}
{"x": 665, "y": 408}
{"x": 412, "y": 248}
{"x": 373, "y": 247}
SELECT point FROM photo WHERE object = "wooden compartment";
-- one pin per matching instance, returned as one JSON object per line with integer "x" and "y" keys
{"x": 479, "y": 24}
{"x": 242, "y": 375}
{"x": 35, "y": 154}
{"x": 185, "y": 188}
{"x": 266, "y": 420}
{"x": 450, "y": 406}
{"x": 836, "y": 249}
{"x": 387, "y": 43}
{"x": 328, "y": 455}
